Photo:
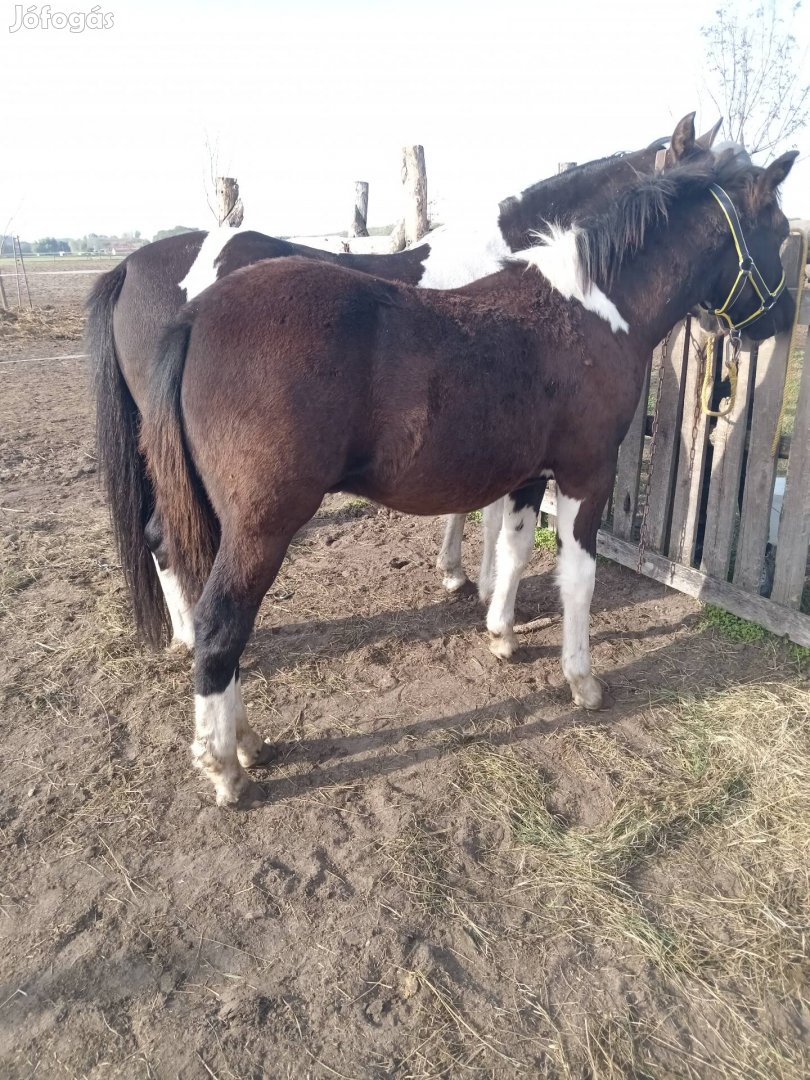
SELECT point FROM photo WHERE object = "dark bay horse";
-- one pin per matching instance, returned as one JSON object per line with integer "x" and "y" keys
{"x": 293, "y": 378}
{"x": 131, "y": 305}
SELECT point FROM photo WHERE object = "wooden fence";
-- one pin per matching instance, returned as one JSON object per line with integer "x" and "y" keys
{"x": 707, "y": 499}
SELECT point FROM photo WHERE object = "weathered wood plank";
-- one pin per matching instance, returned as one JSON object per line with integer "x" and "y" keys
{"x": 774, "y": 617}
{"x": 549, "y": 505}
{"x": 628, "y": 471}
{"x": 694, "y": 434}
{"x": 760, "y": 474}
{"x": 670, "y": 408}
{"x": 794, "y": 525}
{"x": 728, "y": 449}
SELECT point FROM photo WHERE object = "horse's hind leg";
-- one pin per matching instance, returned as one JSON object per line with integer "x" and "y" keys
{"x": 181, "y": 611}
{"x": 243, "y": 572}
{"x": 514, "y": 549}
{"x": 449, "y": 560}
{"x": 577, "y": 524}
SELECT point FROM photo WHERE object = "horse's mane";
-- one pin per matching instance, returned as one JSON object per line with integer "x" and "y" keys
{"x": 606, "y": 241}
{"x": 565, "y": 177}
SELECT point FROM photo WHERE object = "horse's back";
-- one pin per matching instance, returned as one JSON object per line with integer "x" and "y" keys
{"x": 149, "y": 300}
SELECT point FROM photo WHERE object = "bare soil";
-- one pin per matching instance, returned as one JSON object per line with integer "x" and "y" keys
{"x": 388, "y": 912}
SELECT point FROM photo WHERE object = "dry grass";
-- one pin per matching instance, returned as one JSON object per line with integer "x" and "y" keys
{"x": 32, "y": 325}
{"x": 700, "y": 871}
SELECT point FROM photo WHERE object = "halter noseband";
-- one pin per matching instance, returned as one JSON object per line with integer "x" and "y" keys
{"x": 747, "y": 271}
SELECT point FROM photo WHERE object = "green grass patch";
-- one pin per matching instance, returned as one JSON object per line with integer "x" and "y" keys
{"x": 545, "y": 538}
{"x": 732, "y": 627}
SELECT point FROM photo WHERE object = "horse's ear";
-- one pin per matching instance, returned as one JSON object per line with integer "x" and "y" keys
{"x": 706, "y": 140}
{"x": 682, "y": 142}
{"x": 771, "y": 177}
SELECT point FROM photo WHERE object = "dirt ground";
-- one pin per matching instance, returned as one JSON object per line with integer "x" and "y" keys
{"x": 456, "y": 872}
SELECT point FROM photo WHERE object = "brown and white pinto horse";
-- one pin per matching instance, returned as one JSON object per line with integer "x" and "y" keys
{"x": 131, "y": 305}
{"x": 291, "y": 378}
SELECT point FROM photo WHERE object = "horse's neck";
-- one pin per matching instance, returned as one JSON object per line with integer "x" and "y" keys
{"x": 558, "y": 200}
{"x": 660, "y": 285}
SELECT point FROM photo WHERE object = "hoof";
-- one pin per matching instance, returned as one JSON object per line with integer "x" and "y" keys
{"x": 259, "y": 757}
{"x": 248, "y": 796}
{"x": 176, "y": 647}
{"x": 587, "y": 692}
{"x": 454, "y": 580}
{"x": 502, "y": 645}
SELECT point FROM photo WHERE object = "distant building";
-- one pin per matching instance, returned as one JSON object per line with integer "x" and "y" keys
{"x": 125, "y": 247}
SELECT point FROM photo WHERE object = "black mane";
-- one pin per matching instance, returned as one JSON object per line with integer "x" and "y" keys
{"x": 606, "y": 241}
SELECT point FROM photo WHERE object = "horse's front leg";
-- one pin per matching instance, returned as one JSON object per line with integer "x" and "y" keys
{"x": 578, "y": 522}
{"x": 449, "y": 560}
{"x": 515, "y": 543}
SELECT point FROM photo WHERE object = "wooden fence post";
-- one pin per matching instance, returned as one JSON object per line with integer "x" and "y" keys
{"x": 414, "y": 178}
{"x": 760, "y": 473}
{"x": 229, "y": 206}
{"x": 358, "y": 226}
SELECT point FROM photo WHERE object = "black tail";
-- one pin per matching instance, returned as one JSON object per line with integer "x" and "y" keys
{"x": 190, "y": 524}
{"x": 122, "y": 467}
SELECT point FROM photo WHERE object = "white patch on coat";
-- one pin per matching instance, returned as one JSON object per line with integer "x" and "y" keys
{"x": 203, "y": 270}
{"x": 181, "y": 612}
{"x": 557, "y": 259}
{"x": 464, "y": 251}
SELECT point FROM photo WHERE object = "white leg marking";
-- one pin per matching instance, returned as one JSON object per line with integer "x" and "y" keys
{"x": 249, "y": 744}
{"x": 492, "y": 521}
{"x": 449, "y": 560}
{"x": 180, "y": 611}
{"x": 214, "y": 748}
{"x": 513, "y": 551}
{"x": 576, "y": 574}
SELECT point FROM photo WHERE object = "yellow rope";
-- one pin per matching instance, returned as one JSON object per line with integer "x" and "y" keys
{"x": 708, "y": 382}
{"x": 799, "y": 287}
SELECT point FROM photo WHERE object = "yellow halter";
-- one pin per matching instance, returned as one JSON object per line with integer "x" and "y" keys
{"x": 747, "y": 271}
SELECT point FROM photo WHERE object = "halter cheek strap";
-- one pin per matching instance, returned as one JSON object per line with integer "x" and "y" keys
{"x": 747, "y": 271}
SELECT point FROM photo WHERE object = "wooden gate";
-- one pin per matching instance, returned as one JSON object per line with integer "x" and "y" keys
{"x": 707, "y": 495}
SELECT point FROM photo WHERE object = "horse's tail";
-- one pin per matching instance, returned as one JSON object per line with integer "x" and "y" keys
{"x": 122, "y": 468}
{"x": 190, "y": 525}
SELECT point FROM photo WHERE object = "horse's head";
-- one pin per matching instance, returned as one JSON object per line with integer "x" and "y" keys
{"x": 747, "y": 290}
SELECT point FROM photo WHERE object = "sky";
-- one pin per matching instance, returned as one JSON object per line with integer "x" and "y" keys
{"x": 114, "y": 129}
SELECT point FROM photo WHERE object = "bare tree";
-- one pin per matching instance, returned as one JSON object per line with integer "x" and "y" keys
{"x": 753, "y": 77}
{"x": 210, "y": 176}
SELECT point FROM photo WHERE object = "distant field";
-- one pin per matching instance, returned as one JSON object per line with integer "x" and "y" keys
{"x": 55, "y": 281}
